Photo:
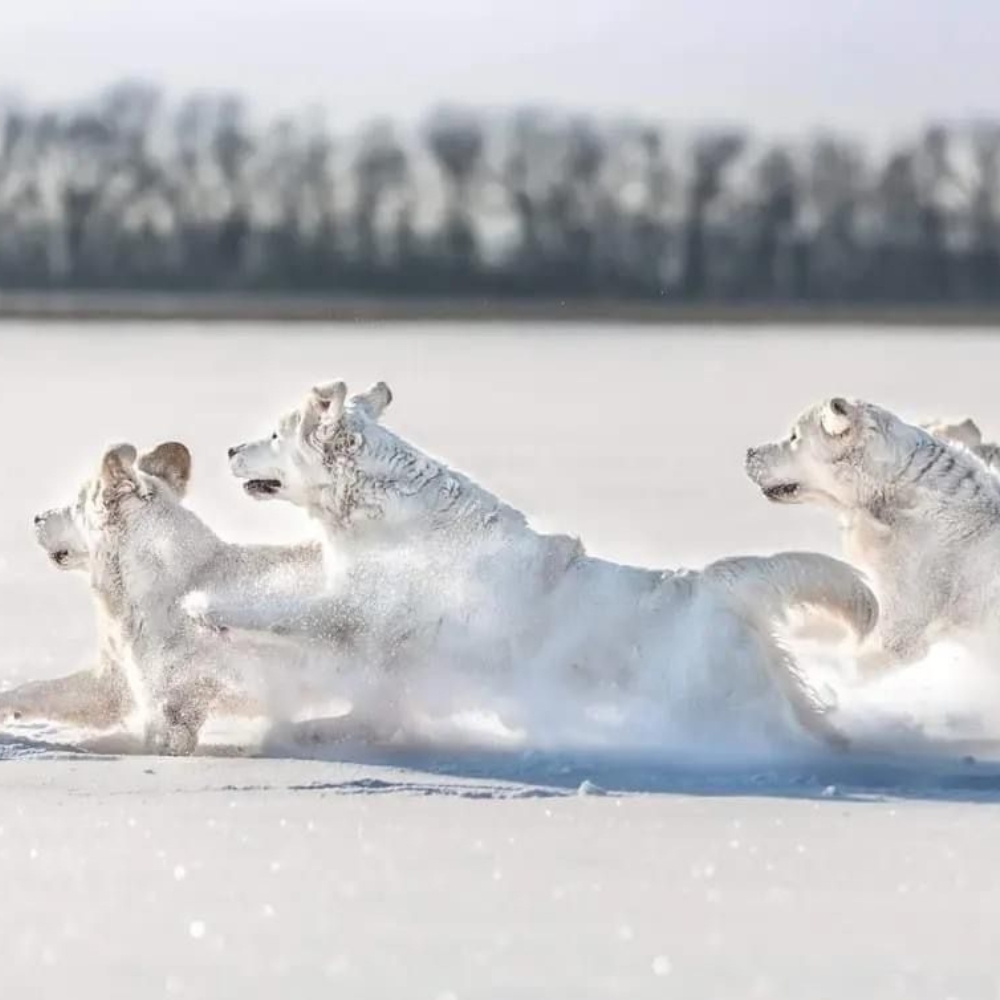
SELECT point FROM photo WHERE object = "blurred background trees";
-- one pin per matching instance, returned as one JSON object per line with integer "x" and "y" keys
{"x": 131, "y": 191}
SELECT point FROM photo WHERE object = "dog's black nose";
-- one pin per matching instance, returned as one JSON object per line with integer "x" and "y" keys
{"x": 232, "y": 451}
{"x": 39, "y": 518}
{"x": 751, "y": 455}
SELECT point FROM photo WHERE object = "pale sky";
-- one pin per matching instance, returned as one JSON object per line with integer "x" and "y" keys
{"x": 875, "y": 66}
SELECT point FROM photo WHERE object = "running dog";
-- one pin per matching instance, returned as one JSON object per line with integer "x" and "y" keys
{"x": 416, "y": 542}
{"x": 919, "y": 513}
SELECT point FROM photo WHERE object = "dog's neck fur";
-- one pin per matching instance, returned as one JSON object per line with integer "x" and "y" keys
{"x": 924, "y": 535}
{"x": 940, "y": 485}
{"x": 414, "y": 494}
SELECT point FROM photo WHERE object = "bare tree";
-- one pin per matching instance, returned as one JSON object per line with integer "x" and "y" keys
{"x": 711, "y": 157}
{"x": 130, "y": 190}
{"x": 455, "y": 139}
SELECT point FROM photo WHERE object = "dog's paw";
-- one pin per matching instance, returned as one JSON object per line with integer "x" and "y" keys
{"x": 198, "y": 608}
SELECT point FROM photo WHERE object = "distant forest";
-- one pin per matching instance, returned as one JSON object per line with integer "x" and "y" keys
{"x": 133, "y": 191}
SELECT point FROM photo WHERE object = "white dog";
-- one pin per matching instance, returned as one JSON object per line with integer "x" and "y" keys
{"x": 415, "y": 542}
{"x": 143, "y": 552}
{"x": 919, "y": 513}
{"x": 98, "y": 696}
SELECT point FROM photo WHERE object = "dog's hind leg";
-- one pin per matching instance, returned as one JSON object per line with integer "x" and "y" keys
{"x": 89, "y": 698}
{"x": 810, "y": 709}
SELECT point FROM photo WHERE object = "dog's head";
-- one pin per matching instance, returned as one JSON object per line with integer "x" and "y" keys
{"x": 315, "y": 448}
{"x": 842, "y": 453}
{"x": 68, "y": 533}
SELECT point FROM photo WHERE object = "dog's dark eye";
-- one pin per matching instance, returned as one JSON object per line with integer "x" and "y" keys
{"x": 274, "y": 436}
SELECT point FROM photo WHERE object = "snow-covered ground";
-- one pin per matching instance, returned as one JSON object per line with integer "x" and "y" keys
{"x": 494, "y": 871}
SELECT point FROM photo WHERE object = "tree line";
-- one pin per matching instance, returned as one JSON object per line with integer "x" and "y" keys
{"x": 132, "y": 191}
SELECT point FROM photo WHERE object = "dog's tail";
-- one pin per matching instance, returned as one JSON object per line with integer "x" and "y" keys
{"x": 767, "y": 586}
{"x": 762, "y": 589}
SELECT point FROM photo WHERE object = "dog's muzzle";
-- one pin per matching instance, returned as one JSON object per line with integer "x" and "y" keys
{"x": 756, "y": 469}
{"x": 753, "y": 464}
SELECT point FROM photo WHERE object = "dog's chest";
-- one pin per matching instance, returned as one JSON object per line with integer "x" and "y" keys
{"x": 865, "y": 540}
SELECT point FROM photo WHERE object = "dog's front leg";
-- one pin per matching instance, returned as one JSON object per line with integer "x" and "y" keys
{"x": 215, "y": 613}
{"x": 322, "y": 618}
{"x": 179, "y": 715}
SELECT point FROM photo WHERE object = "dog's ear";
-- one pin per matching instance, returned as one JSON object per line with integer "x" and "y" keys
{"x": 375, "y": 400}
{"x": 324, "y": 404}
{"x": 836, "y": 416}
{"x": 965, "y": 432}
{"x": 117, "y": 466}
{"x": 171, "y": 462}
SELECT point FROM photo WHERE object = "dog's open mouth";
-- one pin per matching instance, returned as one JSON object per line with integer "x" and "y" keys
{"x": 60, "y": 557}
{"x": 262, "y": 487}
{"x": 781, "y": 491}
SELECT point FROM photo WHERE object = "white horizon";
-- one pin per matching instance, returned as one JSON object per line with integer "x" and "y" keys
{"x": 875, "y": 69}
